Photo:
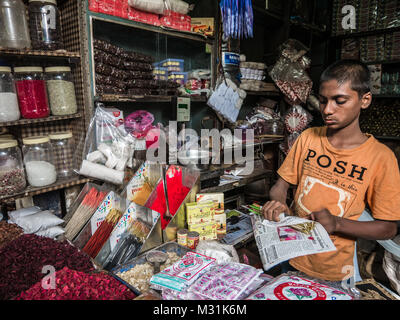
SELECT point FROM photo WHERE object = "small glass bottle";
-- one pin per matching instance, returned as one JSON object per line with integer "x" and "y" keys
{"x": 39, "y": 161}
{"x": 14, "y": 31}
{"x": 12, "y": 174}
{"x": 61, "y": 90}
{"x": 63, "y": 151}
{"x": 31, "y": 91}
{"x": 45, "y": 25}
{"x": 9, "y": 110}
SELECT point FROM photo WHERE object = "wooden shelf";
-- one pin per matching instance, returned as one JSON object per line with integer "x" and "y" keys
{"x": 40, "y": 53}
{"x": 22, "y": 122}
{"x": 386, "y": 96}
{"x": 126, "y": 98}
{"x": 263, "y": 93}
{"x": 383, "y": 62}
{"x": 159, "y": 29}
{"x": 255, "y": 176}
{"x": 366, "y": 33}
{"x": 387, "y": 138}
{"x": 309, "y": 27}
{"x": 33, "y": 191}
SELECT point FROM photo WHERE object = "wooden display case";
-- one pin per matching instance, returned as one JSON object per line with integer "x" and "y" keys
{"x": 70, "y": 12}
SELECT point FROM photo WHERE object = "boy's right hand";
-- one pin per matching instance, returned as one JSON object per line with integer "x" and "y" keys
{"x": 272, "y": 209}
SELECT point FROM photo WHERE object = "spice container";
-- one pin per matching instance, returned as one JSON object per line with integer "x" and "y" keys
{"x": 39, "y": 161}
{"x": 31, "y": 91}
{"x": 14, "y": 32}
{"x": 9, "y": 110}
{"x": 62, "y": 144}
{"x": 61, "y": 91}
{"x": 193, "y": 238}
{"x": 182, "y": 237}
{"x": 12, "y": 174}
{"x": 45, "y": 25}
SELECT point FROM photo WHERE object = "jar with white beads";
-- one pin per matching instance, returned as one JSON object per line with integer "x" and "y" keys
{"x": 39, "y": 161}
{"x": 9, "y": 109}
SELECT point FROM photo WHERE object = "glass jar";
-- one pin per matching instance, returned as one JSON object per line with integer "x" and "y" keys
{"x": 14, "y": 32}
{"x": 61, "y": 91}
{"x": 12, "y": 174}
{"x": 63, "y": 150}
{"x": 9, "y": 110}
{"x": 45, "y": 25}
{"x": 39, "y": 161}
{"x": 31, "y": 92}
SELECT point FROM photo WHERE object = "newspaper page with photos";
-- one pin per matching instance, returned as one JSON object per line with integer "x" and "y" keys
{"x": 283, "y": 240}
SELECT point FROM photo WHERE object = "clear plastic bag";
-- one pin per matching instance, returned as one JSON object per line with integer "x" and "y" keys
{"x": 289, "y": 73}
{"x": 108, "y": 148}
{"x": 159, "y": 6}
{"x": 297, "y": 119}
{"x": 226, "y": 281}
{"x": 221, "y": 252}
{"x": 298, "y": 286}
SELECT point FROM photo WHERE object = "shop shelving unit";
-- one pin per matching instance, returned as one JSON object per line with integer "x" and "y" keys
{"x": 385, "y": 99}
{"x": 72, "y": 37}
{"x": 148, "y": 39}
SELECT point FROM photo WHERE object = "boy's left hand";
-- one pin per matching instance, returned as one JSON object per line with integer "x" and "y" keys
{"x": 324, "y": 217}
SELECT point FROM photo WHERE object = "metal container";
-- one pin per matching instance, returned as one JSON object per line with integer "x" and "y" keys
{"x": 166, "y": 247}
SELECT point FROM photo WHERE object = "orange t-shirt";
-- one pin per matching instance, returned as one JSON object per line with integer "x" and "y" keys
{"x": 342, "y": 181}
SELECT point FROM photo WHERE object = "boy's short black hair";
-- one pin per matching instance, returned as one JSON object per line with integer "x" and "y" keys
{"x": 349, "y": 70}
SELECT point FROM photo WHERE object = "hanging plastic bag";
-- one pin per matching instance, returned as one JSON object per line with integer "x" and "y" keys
{"x": 139, "y": 123}
{"x": 289, "y": 73}
{"x": 296, "y": 120}
{"x": 108, "y": 148}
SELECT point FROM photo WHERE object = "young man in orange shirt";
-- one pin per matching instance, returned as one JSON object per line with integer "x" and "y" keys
{"x": 338, "y": 169}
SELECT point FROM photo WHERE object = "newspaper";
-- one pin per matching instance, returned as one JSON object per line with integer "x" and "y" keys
{"x": 278, "y": 242}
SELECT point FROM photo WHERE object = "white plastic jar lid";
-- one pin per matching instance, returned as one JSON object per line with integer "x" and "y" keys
{"x": 4, "y": 144}
{"x": 58, "y": 69}
{"x": 5, "y": 69}
{"x": 28, "y": 69}
{"x": 60, "y": 135}
{"x": 35, "y": 140}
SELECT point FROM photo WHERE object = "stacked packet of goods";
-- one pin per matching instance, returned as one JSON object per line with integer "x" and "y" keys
{"x": 119, "y": 71}
{"x": 176, "y": 21}
{"x": 372, "y": 48}
{"x": 121, "y": 9}
{"x": 171, "y": 70}
{"x": 200, "y": 219}
{"x": 392, "y": 46}
{"x": 219, "y": 212}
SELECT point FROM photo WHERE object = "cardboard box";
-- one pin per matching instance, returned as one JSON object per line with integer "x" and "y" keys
{"x": 199, "y": 212}
{"x": 215, "y": 197}
{"x": 220, "y": 221}
{"x": 207, "y": 231}
{"x": 203, "y": 25}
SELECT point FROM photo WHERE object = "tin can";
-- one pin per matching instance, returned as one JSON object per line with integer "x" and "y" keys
{"x": 193, "y": 239}
{"x": 182, "y": 235}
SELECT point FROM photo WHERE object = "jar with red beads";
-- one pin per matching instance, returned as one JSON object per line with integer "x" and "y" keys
{"x": 31, "y": 92}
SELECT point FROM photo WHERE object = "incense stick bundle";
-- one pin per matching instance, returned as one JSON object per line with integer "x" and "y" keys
{"x": 129, "y": 245}
{"x": 102, "y": 233}
{"x": 85, "y": 210}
